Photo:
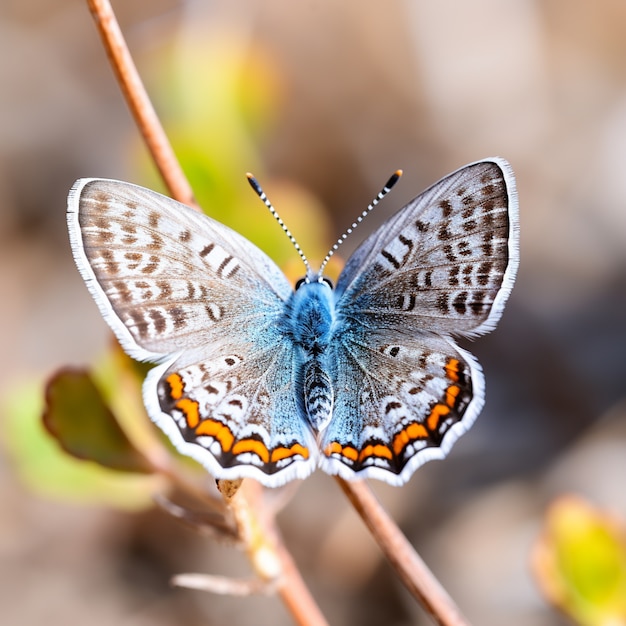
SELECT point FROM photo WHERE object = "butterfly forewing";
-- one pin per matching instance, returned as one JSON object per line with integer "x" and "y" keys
{"x": 164, "y": 274}
{"x": 445, "y": 262}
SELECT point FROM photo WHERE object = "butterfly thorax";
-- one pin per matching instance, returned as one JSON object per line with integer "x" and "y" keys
{"x": 311, "y": 319}
{"x": 311, "y": 316}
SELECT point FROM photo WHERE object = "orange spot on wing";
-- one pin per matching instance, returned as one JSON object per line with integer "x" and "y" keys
{"x": 410, "y": 433}
{"x": 400, "y": 441}
{"x": 416, "y": 431}
{"x": 436, "y": 414}
{"x": 336, "y": 448}
{"x": 452, "y": 369}
{"x": 176, "y": 384}
{"x": 332, "y": 448}
{"x": 378, "y": 450}
{"x": 216, "y": 429}
{"x": 452, "y": 393}
{"x": 191, "y": 411}
{"x": 350, "y": 453}
{"x": 254, "y": 446}
{"x": 278, "y": 454}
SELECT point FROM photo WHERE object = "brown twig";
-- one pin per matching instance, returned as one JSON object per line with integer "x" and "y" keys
{"x": 267, "y": 551}
{"x": 413, "y": 572}
{"x": 139, "y": 102}
{"x": 269, "y": 557}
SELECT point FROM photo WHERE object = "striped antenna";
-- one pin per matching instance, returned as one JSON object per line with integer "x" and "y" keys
{"x": 381, "y": 194}
{"x": 254, "y": 183}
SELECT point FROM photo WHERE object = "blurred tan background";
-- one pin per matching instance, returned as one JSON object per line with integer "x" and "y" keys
{"x": 365, "y": 88}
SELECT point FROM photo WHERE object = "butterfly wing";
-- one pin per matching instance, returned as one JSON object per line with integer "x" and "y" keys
{"x": 185, "y": 291}
{"x": 443, "y": 265}
{"x": 447, "y": 260}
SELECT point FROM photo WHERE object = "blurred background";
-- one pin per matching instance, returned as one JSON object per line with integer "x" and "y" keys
{"x": 323, "y": 100}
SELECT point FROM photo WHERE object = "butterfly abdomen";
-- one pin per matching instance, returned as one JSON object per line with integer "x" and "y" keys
{"x": 311, "y": 317}
{"x": 318, "y": 395}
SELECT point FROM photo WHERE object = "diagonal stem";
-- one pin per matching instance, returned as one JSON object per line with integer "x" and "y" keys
{"x": 139, "y": 102}
{"x": 413, "y": 572}
{"x": 269, "y": 556}
{"x": 264, "y": 544}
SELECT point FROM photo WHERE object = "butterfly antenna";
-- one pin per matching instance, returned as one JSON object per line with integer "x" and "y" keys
{"x": 254, "y": 183}
{"x": 381, "y": 194}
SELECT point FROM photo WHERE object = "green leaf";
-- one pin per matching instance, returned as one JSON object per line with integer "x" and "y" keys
{"x": 45, "y": 469}
{"x": 580, "y": 563}
{"x": 77, "y": 416}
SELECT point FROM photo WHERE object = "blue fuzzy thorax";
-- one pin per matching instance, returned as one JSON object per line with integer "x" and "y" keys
{"x": 311, "y": 316}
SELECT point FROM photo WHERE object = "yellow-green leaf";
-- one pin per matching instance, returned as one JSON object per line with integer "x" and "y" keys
{"x": 45, "y": 469}
{"x": 77, "y": 416}
{"x": 580, "y": 563}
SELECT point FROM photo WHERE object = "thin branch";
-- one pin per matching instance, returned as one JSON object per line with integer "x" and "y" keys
{"x": 209, "y": 524}
{"x": 269, "y": 556}
{"x": 295, "y": 594}
{"x": 413, "y": 572}
{"x": 222, "y": 585}
{"x": 139, "y": 102}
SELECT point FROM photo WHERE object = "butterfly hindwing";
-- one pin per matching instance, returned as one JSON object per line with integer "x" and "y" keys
{"x": 406, "y": 397}
{"x": 235, "y": 410}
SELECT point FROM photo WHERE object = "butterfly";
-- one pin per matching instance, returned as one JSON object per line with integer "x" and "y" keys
{"x": 256, "y": 379}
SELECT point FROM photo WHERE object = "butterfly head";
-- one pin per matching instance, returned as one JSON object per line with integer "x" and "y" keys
{"x": 307, "y": 280}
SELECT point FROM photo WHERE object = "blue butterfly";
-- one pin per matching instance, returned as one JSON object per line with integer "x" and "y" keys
{"x": 257, "y": 380}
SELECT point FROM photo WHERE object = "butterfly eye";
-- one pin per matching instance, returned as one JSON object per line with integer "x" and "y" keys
{"x": 300, "y": 282}
{"x": 328, "y": 282}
